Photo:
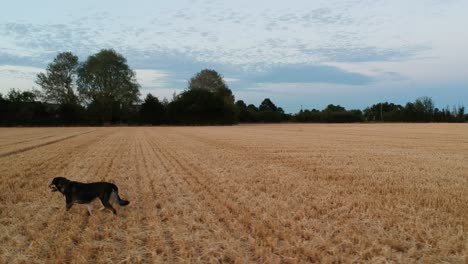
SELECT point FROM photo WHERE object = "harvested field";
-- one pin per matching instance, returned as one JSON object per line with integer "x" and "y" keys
{"x": 251, "y": 193}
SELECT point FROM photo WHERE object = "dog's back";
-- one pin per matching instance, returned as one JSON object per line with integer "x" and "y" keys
{"x": 87, "y": 192}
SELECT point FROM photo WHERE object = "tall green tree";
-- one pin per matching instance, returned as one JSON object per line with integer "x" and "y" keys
{"x": 212, "y": 81}
{"x": 58, "y": 83}
{"x": 424, "y": 107}
{"x": 200, "y": 107}
{"x": 269, "y": 112}
{"x": 242, "y": 114}
{"x": 459, "y": 113}
{"x": 267, "y": 105}
{"x": 384, "y": 112}
{"x": 106, "y": 81}
{"x": 240, "y": 104}
{"x": 208, "y": 100}
{"x": 152, "y": 111}
{"x": 331, "y": 108}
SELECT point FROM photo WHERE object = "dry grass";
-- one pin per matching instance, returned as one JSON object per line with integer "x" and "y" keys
{"x": 266, "y": 193}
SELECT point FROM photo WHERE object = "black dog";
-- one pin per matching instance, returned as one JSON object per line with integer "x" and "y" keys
{"x": 85, "y": 193}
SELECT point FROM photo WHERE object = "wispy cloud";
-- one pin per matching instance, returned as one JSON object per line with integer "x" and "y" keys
{"x": 366, "y": 54}
{"x": 12, "y": 76}
{"x": 152, "y": 78}
{"x": 222, "y": 34}
{"x": 355, "y": 43}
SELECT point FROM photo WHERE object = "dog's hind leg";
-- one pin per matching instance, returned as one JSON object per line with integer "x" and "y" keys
{"x": 107, "y": 205}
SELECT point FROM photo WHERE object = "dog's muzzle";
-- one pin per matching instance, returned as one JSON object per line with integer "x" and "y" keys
{"x": 53, "y": 188}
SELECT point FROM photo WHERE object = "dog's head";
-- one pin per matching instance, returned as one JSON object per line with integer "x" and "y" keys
{"x": 58, "y": 184}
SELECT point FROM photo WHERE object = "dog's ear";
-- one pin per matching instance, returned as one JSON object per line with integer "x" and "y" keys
{"x": 59, "y": 179}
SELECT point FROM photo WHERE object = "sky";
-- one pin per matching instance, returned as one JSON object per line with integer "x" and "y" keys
{"x": 298, "y": 53}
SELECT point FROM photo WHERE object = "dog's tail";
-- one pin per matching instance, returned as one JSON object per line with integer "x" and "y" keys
{"x": 116, "y": 198}
{"x": 123, "y": 202}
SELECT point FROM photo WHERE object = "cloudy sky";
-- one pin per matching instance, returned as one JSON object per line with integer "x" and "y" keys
{"x": 297, "y": 52}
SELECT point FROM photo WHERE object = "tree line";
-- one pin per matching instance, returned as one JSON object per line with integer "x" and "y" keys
{"x": 421, "y": 110}
{"x": 103, "y": 90}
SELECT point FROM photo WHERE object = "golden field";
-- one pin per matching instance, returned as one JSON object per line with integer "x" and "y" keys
{"x": 287, "y": 193}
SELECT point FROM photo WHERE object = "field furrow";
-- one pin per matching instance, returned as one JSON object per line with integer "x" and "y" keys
{"x": 11, "y": 136}
{"x": 152, "y": 247}
{"x": 193, "y": 236}
{"x": 7, "y": 151}
{"x": 283, "y": 193}
{"x": 157, "y": 201}
{"x": 31, "y": 163}
{"x": 336, "y": 202}
{"x": 245, "y": 206}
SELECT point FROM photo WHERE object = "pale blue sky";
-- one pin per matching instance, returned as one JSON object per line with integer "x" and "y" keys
{"x": 310, "y": 53}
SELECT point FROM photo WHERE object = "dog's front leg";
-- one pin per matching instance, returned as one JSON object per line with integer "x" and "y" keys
{"x": 90, "y": 209}
{"x": 69, "y": 203}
